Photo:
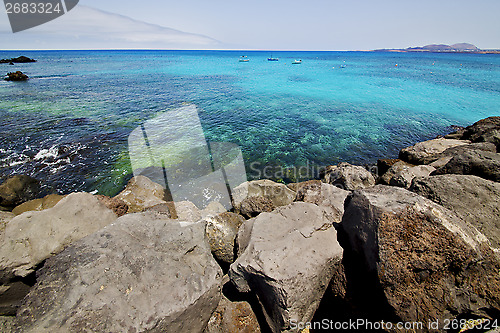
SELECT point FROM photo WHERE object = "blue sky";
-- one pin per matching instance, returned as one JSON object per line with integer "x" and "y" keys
{"x": 271, "y": 24}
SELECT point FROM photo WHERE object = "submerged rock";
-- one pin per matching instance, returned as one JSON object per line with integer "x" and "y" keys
{"x": 287, "y": 262}
{"x": 424, "y": 262}
{"x": 348, "y": 177}
{"x": 140, "y": 274}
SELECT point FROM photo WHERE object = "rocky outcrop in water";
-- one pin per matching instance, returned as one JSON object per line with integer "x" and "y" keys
{"x": 17, "y": 190}
{"x": 16, "y": 76}
{"x": 19, "y": 60}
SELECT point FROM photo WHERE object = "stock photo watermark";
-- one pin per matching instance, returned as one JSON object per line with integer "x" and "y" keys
{"x": 27, "y": 14}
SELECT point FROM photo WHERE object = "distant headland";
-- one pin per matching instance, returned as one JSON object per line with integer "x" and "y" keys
{"x": 455, "y": 48}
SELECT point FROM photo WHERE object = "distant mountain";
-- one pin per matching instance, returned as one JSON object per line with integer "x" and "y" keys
{"x": 458, "y": 48}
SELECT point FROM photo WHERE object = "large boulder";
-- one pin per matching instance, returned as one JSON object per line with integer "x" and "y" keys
{"x": 449, "y": 153}
{"x": 474, "y": 199}
{"x": 330, "y": 198}
{"x": 259, "y": 196}
{"x": 32, "y": 237}
{"x": 423, "y": 262}
{"x": 141, "y": 193}
{"x": 473, "y": 162}
{"x": 287, "y": 262}
{"x": 485, "y": 130}
{"x": 233, "y": 317}
{"x": 46, "y": 202}
{"x": 18, "y": 189}
{"x": 428, "y": 151}
{"x": 348, "y": 177}
{"x": 140, "y": 274}
{"x": 16, "y": 76}
{"x": 393, "y": 170}
{"x": 221, "y": 232}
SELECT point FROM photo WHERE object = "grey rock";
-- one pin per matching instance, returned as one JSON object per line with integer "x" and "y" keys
{"x": 187, "y": 211}
{"x": 253, "y": 206}
{"x": 276, "y": 193}
{"x": 404, "y": 177}
{"x": 449, "y": 153}
{"x": 480, "y": 163}
{"x": 485, "y": 130}
{"x": 428, "y": 151}
{"x": 221, "y": 233}
{"x": 18, "y": 189}
{"x": 474, "y": 199}
{"x": 288, "y": 262}
{"x": 140, "y": 274}
{"x": 32, "y": 237}
{"x": 213, "y": 209}
{"x": 7, "y": 324}
{"x": 233, "y": 317}
{"x": 329, "y": 197}
{"x": 396, "y": 168}
{"x": 427, "y": 262}
{"x": 348, "y": 177}
{"x": 141, "y": 193}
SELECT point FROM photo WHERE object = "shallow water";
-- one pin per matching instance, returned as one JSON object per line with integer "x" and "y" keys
{"x": 69, "y": 124}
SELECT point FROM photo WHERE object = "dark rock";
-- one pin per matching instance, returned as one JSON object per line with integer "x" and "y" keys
{"x": 16, "y": 76}
{"x": 449, "y": 153}
{"x": 140, "y": 274}
{"x": 423, "y": 261}
{"x": 287, "y": 262}
{"x": 485, "y": 130}
{"x": 473, "y": 162}
{"x": 348, "y": 177}
{"x": 474, "y": 199}
{"x": 221, "y": 233}
{"x": 21, "y": 59}
{"x": 11, "y": 296}
{"x": 383, "y": 165}
{"x": 46, "y": 202}
{"x": 18, "y": 189}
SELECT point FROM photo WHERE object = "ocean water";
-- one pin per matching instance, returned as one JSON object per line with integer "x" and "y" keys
{"x": 69, "y": 124}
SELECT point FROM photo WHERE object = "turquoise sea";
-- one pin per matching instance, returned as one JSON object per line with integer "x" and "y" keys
{"x": 69, "y": 124}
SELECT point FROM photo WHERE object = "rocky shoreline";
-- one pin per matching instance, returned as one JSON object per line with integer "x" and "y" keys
{"x": 416, "y": 241}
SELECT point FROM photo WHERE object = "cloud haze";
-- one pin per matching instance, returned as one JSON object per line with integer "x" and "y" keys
{"x": 89, "y": 28}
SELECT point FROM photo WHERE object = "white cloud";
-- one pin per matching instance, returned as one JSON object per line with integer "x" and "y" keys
{"x": 89, "y": 28}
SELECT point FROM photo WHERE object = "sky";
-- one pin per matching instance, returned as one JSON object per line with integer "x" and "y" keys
{"x": 267, "y": 25}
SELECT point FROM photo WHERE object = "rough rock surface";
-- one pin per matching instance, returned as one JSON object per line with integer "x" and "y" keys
{"x": 141, "y": 193}
{"x": 329, "y": 197}
{"x": 428, "y": 151}
{"x": 46, "y": 202}
{"x": 276, "y": 193}
{"x": 288, "y": 262}
{"x": 348, "y": 177}
{"x": 16, "y": 76}
{"x": 404, "y": 177}
{"x": 428, "y": 263}
{"x": 480, "y": 163}
{"x": 474, "y": 199}
{"x": 119, "y": 207}
{"x": 18, "y": 189}
{"x": 233, "y": 317}
{"x": 449, "y": 153}
{"x": 7, "y": 324}
{"x": 213, "y": 209}
{"x": 485, "y": 130}
{"x": 221, "y": 233}
{"x": 32, "y": 237}
{"x": 140, "y": 274}
{"x": 5, "y": 217}
{"x": 253, "y": 206}
{"x": 396, "y": 168}
{"x": 187, "y": 211}
{"x": 383, "y": 165}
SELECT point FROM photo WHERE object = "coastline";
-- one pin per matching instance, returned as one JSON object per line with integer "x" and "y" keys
{"x": 309, "y": 242}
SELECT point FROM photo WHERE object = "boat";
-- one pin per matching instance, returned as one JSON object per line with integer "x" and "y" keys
{"x": 272, "y": 59}
{"x": 244, "y": 59}
{"x": 297, "y": 62}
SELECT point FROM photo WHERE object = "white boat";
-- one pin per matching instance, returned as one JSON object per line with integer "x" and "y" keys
{"x": 297, "y": 62}
{"x": 244, "y": 59}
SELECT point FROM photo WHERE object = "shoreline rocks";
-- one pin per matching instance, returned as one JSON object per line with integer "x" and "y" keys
{"x": 423, "y": 244}
{"x": 18, "y": 60}
{"x": 16, "y": 76}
